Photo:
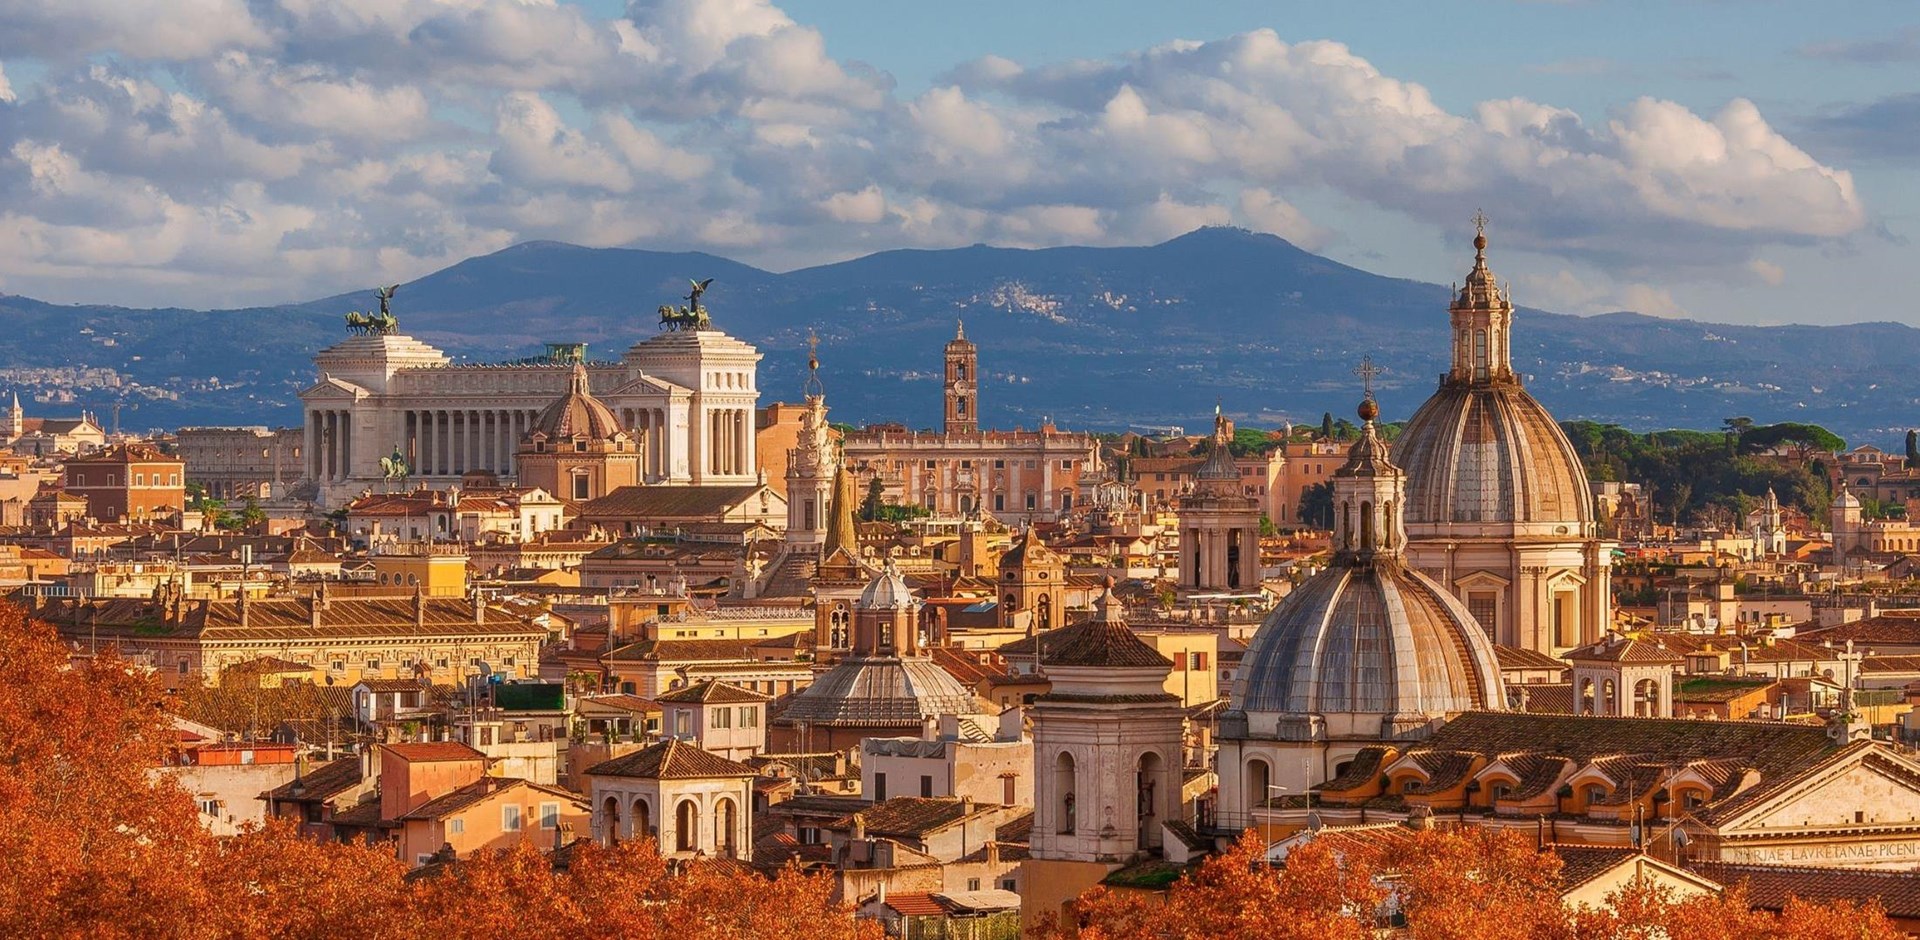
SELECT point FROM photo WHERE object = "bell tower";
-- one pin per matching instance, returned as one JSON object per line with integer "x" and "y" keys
{"x": 811, "y": 464}
{"x": 962, "y": 381}
{"x": 1219, "y": 522}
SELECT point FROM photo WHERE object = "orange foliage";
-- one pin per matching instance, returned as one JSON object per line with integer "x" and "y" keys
{"x": 94, "y": 844}
{"x": 1457, "y": 884}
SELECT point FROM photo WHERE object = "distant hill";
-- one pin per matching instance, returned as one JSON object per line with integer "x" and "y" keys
{"x": 1100, "y": 338}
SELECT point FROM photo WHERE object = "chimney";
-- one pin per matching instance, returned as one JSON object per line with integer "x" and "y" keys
{"x": 993, "y": 854}
{"x": 859, "y": 831}
{"x": 966, "y": 805}
{"x": 880, "y": 897}
{"x": 242, "y": 601}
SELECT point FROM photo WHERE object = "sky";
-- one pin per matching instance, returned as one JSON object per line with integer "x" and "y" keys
{"x": 1733, "y": 162}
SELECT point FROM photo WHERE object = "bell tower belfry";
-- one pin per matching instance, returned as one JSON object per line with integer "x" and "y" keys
{"x": 962, "y": 383}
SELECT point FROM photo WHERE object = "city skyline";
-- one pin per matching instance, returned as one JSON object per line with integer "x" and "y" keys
{"x": 270, "y": 152}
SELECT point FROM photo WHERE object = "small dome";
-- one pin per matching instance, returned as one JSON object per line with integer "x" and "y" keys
{"x": 888, "y": 591}
{"x": 1379, "y": 639}
{"x": 578, "y": 414}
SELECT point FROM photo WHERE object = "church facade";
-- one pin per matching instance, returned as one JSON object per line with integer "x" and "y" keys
{"x": 684, "y": 397}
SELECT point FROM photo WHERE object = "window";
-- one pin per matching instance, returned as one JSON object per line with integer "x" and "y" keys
{"x": 580, "y": 486}
{"x": 209, "y": 807}
{"x": 1480, "y": 605}
{"x": 173, "y": 479}
{"x": 139, "y": 479}
{"x": 1000, "y": 465}
{"x": 549, "y": 815}
{"x": 456, "y": 826}
{"x": 682, "y": 722}
{"x": 999, "y": 502}
{"x": 973, "y": 884}
{"x": 1197, "y": 661}
{"x": 183, "y": 667}
{"x": 929, "y": 465}
{"x": 926, "y": 790}
{"x": 373, "y": 664}
{"x": 1031, "y": 501}
{"x": 1006, "y": 789}
{"x": 721, "y": 718}
{"x": 580, "y": 446}
{"x": 1007, "y": 884}
{"x": 749, "y": 716}
{"x": 510, "y": 819}
{"x": 879, "y": 787}
{"x": 1066, "y": 465}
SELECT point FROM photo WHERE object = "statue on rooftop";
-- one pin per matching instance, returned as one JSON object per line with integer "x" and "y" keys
{"x": 382, "y": 323}
{"x": 692, "y": 316}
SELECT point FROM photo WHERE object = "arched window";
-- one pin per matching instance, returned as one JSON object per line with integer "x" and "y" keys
{"x": 610, "y": 821}
{"x": 642, "y": 820}
{"x": 1596, "y": 794}
{"x": 1586, "y": 704}
{"x": 1366, "y": 527}
{"x": 1609, "y": 698}
{"x": 1147, "y": 799}
{"x": 725, "y": 818}
{"x": 1063, "y": 785}
{"x": 1258, "y": 777}
{"x": 686, "y": 827}
{"x": 1044, "y": 612}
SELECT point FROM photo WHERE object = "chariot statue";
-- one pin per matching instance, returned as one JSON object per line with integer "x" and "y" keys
{"x": 692, "y": 315}
{"x": 380, "y": 323}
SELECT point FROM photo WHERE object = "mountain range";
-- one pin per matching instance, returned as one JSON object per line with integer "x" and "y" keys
{"x": 1093, "y": 338}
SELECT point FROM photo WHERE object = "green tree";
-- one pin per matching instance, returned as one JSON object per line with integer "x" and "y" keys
{"x": 1316, "y": 506}
{"x": 870, "y": 507}
{"x": 1326, "y": 425}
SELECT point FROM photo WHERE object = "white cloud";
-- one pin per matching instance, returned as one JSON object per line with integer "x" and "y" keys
{"x": 1768, "y": 272}
{"x": 311, "y": 137}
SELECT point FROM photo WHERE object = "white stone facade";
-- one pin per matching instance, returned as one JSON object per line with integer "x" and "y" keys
{"x": 687, "y": 397}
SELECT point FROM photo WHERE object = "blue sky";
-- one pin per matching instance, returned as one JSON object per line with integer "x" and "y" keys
{"x": 1733, "y": 162}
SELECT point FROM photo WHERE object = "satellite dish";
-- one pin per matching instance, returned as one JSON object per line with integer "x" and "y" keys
{"x": 1314, "y": 822}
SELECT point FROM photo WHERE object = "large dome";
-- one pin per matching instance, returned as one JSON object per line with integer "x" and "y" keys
{"x": 1481, "y": 451}
{"x": 1491, "y": 454}
{"x": 1380, "y": 639}
{"x": 577, "y": 414}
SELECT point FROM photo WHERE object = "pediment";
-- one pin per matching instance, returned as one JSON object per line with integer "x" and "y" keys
{"x": 645, "y": 386}
{"x": 1481, "y": 580}
{"x": 331, "y": 389}
{"x": 1883, "y": 788}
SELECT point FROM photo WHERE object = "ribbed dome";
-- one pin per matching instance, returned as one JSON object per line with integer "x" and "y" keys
{"x": 578, "y": 414}
{"x": 1370, "y": 647}
{"x": 888, "y": 591}
{"x": 1481, "y": 450}
{"x": 1491, "y": 454}
{"x": 1369, "y": 639}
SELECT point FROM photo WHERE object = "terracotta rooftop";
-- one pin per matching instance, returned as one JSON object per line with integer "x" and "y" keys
{"x": 913, "y": 816}
{"x": 672, "y": 759}
{"x": 1769, "y": 886}
{"x": 712, "y": 693}
{"x": 477, "y": 791}
{"x": 669, "y": 502}
{"x": 1628, "y": 650}
{"x": 1519, "y": 657}
{"x": 430, "y": 751}
{"x": 320, "y": 781}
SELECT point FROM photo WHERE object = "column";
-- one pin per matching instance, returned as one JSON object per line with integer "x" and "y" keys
{"x": 312, "y": 452}
{"x": 333, "y": 445}
{"x": 346, "y": 444}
